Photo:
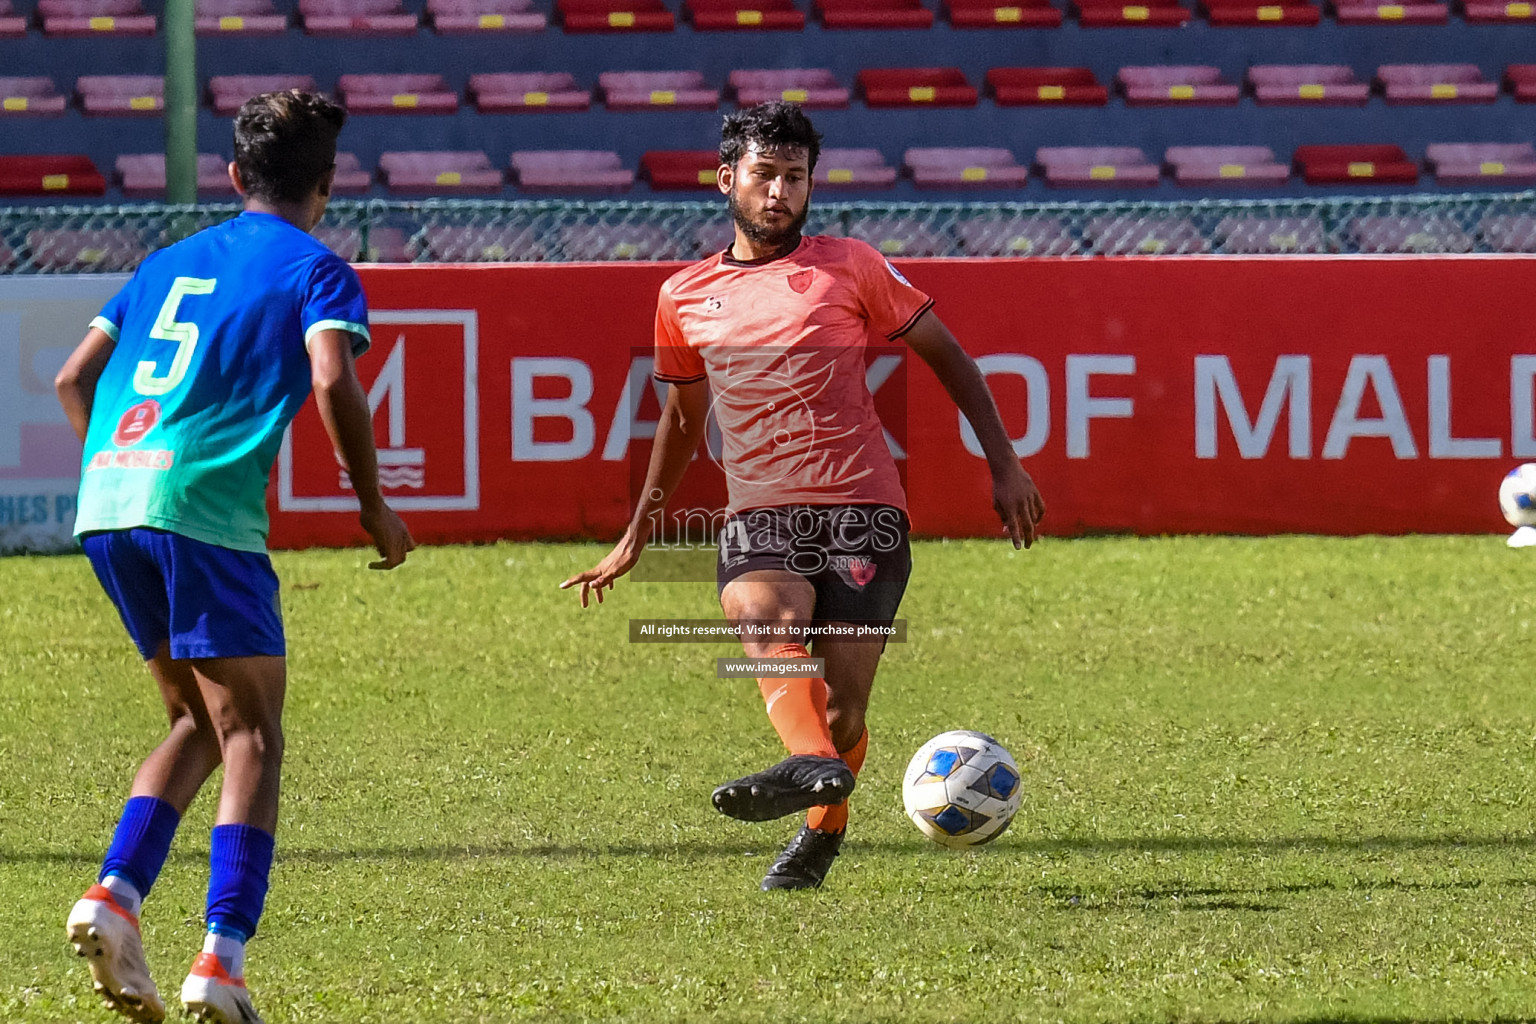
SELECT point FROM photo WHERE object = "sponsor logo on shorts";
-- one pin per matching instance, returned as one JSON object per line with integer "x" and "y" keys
{"x": 136, "y": 422}
{"x": 855, "y": 571}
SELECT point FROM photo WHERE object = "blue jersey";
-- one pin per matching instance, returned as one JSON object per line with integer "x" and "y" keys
{"x": 210, "y": 366}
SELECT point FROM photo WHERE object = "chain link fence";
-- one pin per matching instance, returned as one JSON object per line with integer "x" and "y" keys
{"x": 83, "y": 239}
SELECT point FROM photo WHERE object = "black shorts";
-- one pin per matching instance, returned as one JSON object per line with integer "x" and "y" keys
{"x": 856, "y": 556}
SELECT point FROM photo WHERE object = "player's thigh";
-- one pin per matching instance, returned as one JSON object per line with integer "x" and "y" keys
{"x": 770, "y": 606}
{"x": 179, "y": 691}
{"x": 243, "y": 694}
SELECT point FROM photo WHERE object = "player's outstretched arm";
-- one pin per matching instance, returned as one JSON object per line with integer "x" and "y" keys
{"x": 344, "y": 411}
{"x": 678, "y": 435}
{"x": 1014, "y": 495}
{"x": 76, "y": 381}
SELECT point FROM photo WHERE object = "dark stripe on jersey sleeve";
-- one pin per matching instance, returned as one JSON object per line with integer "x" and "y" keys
{"x": 667, "y": 379}
{"x": 911, "y": 321}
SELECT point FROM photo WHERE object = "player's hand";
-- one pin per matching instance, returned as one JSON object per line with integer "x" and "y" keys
{"x": 390, "y": 536}
{"x": 618, "y": 562}
{"x": 1018, "y": 503}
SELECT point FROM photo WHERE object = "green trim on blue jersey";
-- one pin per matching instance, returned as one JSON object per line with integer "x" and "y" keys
{"x": 361, "y": 330}
{"x": 106, "y": 327}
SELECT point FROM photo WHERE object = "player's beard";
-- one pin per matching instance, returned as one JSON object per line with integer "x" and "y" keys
{"x": 764, "y": 236}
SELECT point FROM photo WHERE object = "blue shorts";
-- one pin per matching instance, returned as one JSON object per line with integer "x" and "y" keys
{"x": 207, "y": 601}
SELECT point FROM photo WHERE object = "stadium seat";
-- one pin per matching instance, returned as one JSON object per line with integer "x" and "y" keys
{"x": 627, "y": 241}
{"x": 1355, "y": 165}
{"x": 239, "y": 18}
{"x": 30, "y": 97}
{"x": 614, "y": 16}
{"x": 92, "y": 250}
{"x": 561, "y": 170}
{"x": 1505, "y": 232}
{"x": 453, "y": 172}
{"x": 1015, "y": 236}
{"x": 1408, "y": 234}
{"x": 964, "y": 167}
{"x": 744, "y": 15}
{"x": 1310, "y": 85}
{"x": 142, "y": 175}
{"x": 1077, "y": 166}
{"x": 356, "y": 18}
{"x": 65, "y": 175}
{"x": 1521, "y": 80}
{"x": 874, "y": 14}
{"x": 226, "y": 93}
{"x": 812, "y": 88}
{"x": 677, "y": 170}
{"x": 916, "y": 87}
{"x": 1225, "y": 165}
{"x": 95, "y": 17}
{"x": 481, "y": 243}
{"x": 1021, "y": 87}
{"x": 1435, "y": 83}
{"x": 1143, "y": 235}
{"x": 351, "y": 178}
{"x": 12, "y": 26}
{"x": 474, "y": 17}
{"x": 527, "y": 91}
{"x": 1002, "y": 14}
{"x": 1484, "y": 12}
{"x": 385, "y": 244}
{"x": 1371, "y": 12}
{"x": 900, "y": 236}
{"x": 656, "y": 90}
{"x": 1261, "y": 13}
{"x": 1175, "y": 85}
{"x": 121, "y": 95}
{"x": 1118, "y": 14}
{"x": 853, "y": 169}
{"x": 1488, "y": 163}
{"x": 1258, "y": 236}
{"x": 397, "y": 94}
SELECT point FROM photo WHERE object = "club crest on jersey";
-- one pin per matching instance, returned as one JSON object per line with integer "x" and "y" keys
{"x": 136, "y": 422}
{"x": 855, "y": 571}
{"x": 800, "y": 280}
{"x": 897, "y": 274}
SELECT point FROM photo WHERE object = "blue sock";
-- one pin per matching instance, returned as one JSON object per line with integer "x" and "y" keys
{"x": 141, "y": 842}
{"x": 241, "y": 860}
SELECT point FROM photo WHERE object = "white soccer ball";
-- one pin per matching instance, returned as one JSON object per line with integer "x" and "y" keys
{"x": 961, "y": 788}
{"x": 1517, "y": 495}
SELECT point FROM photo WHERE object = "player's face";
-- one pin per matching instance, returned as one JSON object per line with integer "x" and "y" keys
{"x": 770, "y": 193}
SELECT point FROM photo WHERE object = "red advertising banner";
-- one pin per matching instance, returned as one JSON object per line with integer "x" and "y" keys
{"x": 1159, "y": 395}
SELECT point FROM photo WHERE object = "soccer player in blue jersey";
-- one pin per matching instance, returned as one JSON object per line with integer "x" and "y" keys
{"x": 181, "y": 392}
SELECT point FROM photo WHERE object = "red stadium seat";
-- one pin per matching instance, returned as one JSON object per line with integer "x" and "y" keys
{"x": 677, "y": 170}
{"x": 482, "y": 243}
{"x": 1484, "y": 12}
{"x": 874, "y": 14}
{"x": 1109, "y": 166}
{"x": 30, "y": 97}
{"x": 1143, "y": 235}
{"x": 627, "y": 241}
{"x": 1016, "y": 236}
{"x": 121, "y": 95}
{"x": 1505, "y": 232}
{"x": 812, "y": 88}
{"x": 1118, "y": 14}
{"x": 561, "y": 170}
{"x": 1309, "y": 85}
{"x": 656, "y": 90}
{"x": 226, "y": 93}
{"x": 1002, "y": 14}
{"x": 12, "y": 26}
{"x": 1225, "y": 165}
{"x": 1070, "y": 87}
{"x": 1175, "y": 85}
{"x": 1371, "y": 12}
{"x": 1255, "y": 236}
{"x": 350, "y": 178}
{"x": 459, "y": 172}
{"x": 916, "y": 87}
{"x": 142, "y": 175}
{"x": 65, "y": 175}
{"x": 900, "y": 236}
{"x": 1487, "y": 163}
{"x": 1261, "y": 13}
{"x": 1355, "y": 165}
{"x": 744, "y": 15}
{"x": 356, "y": 18}
{"x": 95, "y": 17}
{"x": 397, "y": 94}
{"x": 964, "y": 167}
{"x": 853, "y": 169}
{"x": 238, "y": 17}
{"x": 92, "y": 250}
{"x": 1409, "y": 234}
{"x": 614, "y": 16}
{"x": 529, "y": 91}
{"x": 1521, "y": 79}
{"x": 384, "y": 245}
{"x": 1435, "y": 83}
{"x": 474, "y": 17}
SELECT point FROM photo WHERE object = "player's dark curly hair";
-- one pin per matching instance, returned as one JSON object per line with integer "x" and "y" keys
{"x": 775, "y": 125}
{"x": 285, "y": 142}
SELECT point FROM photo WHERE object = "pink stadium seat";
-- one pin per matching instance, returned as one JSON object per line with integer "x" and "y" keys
{"x": 529, "y": 91}
{"x": 30, "y": 97}
{"x": 1257, "y": 236}
{"x": 1175, "y": 85}
{"x": 812, "y": 88}
{"x": 656, "y": 90}
{"x": 853, "y": 169}
{"x": 1505, "y": 232}
{"x": 628, "y": 241}
{"x": 397, "y": 94}
{"x": 473, "y": 17}
{"x": 482, "y": 243}
{"x": 563, "y": 170}
{"x": 1488, "y": 163}
{"x": 614, "y": 16}
{"x": 1019, "y": 87}
{"x": 1521, "y": 79}
{"x": 1312, "y": 85}
{"x": 356, "y": 18}
{"x": 1119, "y": 14}
{"x": 454, "y": 172}
{"x": 238, "y": 17}
{"x": 970, "y": 167}
{"x": 680, "y": 170}
{"x": 1370, "y": 12}
{"x": 12, "y": 26}
{"x": 142, "y": 175}
{"x": 1485, "y": 12}
{"x": 1225, "y": 165}
{"x": 385, "y": 244}
{"x": 121, "y": 95}
{"x": 1140, "y": 235}
{"x": 1435, "y": 83}
{"x": 900, "y": 236}
{"x": 66, "y": 174}
{"x": 744, "y": 15}
{"x": 916, "y": 87}
{"x": 1002, "y": 14}
{"x": 1016, "y": 236}
{"x": 1355, "y": 165}
{"x": 1261, "y": 13}
{"x": 226, "y": 93}
{"x": 1112, "y": 166}
{"x": 1409, "y": 234}
{"x": 96, "y": 250}
{"x": 874, "y": 14}
{"x": 95, "y": 17}
{"x": 350, "y": 178}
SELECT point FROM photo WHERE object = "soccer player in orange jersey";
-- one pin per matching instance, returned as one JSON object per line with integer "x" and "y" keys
{"x": 772, "y": 333}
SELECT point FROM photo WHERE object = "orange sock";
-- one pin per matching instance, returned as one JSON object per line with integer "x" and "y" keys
{"x": 835, "y": 819}
{"x": 798, "y": 707}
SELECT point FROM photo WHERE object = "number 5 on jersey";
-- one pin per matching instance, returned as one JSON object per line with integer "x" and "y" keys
{"x": 168, "y": 328}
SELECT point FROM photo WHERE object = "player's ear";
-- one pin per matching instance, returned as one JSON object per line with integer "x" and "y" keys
{"x": 724, "y": 178}
{"x": 234, "y": 178}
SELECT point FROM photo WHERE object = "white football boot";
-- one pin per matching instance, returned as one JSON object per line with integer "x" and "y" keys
{"x": 108, "y": 937}
{"x": 210, "y": 994}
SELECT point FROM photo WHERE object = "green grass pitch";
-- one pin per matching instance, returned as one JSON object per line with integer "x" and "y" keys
{"x": 1271, "y": 780}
